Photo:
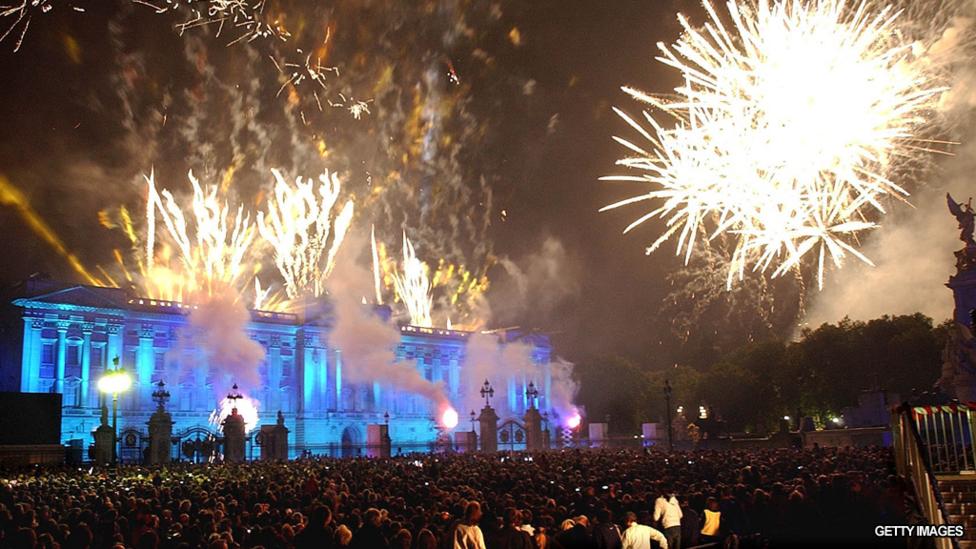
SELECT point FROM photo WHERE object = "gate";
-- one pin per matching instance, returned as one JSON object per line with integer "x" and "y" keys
{"x": 511, "y": 436}
{"x": 132, "y": 446}
{"x": 198, "y": 445}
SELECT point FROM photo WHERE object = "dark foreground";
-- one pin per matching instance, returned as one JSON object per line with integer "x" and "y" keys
{"x": 562, "y": 499}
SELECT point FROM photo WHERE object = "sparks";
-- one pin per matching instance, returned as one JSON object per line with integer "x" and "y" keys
{"x": 413, "y": 287}
{"x": 212, "y": 255}
{"x": 791, "y": 125}
{"x": 298, "y": 223}
{"x": 449, "y": 418}
{"x": 247, "y": 407}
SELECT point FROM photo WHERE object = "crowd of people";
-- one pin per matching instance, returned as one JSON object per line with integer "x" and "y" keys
{"x": 552, "y": 500}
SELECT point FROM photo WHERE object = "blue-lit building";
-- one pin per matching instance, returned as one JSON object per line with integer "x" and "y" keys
{"x": 71, "y": 333}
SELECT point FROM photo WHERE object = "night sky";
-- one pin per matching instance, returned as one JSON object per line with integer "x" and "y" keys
{"x": 94, "y": 100}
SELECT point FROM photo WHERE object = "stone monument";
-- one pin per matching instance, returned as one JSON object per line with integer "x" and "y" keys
{"x": 160, "y": 428}
{"x": 274, "y": 440}
{"x": 489, "y": 429}
{"x": 233, "y": 427}
{"x": 533, "y": 421}
{"x": 104, "y": 440}
{"x": 958, "y": 378}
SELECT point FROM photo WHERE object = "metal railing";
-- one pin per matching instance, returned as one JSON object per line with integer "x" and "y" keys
{"x": 913, "y": 464}
{"x": 947, "y": 432}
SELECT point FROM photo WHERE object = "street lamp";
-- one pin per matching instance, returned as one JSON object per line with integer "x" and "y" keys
{"x": 532, "y": 393}
{"x": 115, "y": 381}
{"x": 472, "y": 421}
{"x": 667, "y": 398}
{"x": 487, "y": 391}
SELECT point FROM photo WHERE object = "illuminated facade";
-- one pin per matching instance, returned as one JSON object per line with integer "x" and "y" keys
{"x": 71, "y": 334}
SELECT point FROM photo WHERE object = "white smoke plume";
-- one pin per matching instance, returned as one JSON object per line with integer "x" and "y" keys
{"x": 215, "y": 340}
{"x": 544, "y": 279}
{"x": 486, "y": 356}
{"x": 367, "y": 341}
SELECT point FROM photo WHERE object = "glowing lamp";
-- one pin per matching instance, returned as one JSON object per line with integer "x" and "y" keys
{"x": 574, "y": 420}
{"x": 449, "y": 419}
{"x": 115, "y": 382}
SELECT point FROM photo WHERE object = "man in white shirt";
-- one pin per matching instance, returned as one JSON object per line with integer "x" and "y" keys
{"x": 639, "y": 536}
{"x": 667, "y": 511}
{"x": 467, "y": 534}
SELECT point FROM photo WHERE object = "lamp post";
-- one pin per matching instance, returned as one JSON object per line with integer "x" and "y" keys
{"x": 472, "y": 421}
{"x": 114, "y": 382}
{"x": 386, "y": 417}
{"x": 532, "y": 393}
{"x": 667, "y": 398}
{"x": 487, "y": 392}
{"x": 160, "y": 395}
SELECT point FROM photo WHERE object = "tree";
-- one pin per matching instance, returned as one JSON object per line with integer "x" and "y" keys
{"x": 616, "y": 387}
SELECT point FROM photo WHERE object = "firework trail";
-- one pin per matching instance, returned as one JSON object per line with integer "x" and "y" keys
{"x": 21, "y": 15}
{"x": 212, "y": 250}
{"x": 413, "y": 286}
{"x": 298, "y": 223}
{"x": 790, "y": 129}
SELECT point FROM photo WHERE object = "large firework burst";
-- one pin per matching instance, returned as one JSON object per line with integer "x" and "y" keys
{"x": 792, "y": 123}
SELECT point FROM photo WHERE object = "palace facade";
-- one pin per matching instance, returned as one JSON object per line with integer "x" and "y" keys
{"x": 72, "y": 333}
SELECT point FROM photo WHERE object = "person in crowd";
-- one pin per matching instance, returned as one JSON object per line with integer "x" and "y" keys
{"x": 667, "y": 513}
{"x": 467, "y": 533}
{"x": 711, "y": 530}
{"x": 511, "y": 535}
{"x": 774, "y": 495}
{"x": 640, "y": 536}
{"x": 606, "y": 534}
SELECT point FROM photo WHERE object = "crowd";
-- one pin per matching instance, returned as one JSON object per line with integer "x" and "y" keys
{"x": 554, "y": 500}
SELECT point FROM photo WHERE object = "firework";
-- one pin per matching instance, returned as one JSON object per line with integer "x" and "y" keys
{"x": 298, "y": 224}
{"x": 449, "y": 418}
{"x": 21, "y": 15}
{"x": 413, "y": 287}
{"x": 247, "y": 407}
{"x": 790, "y": 127}
{"x": 246, "y": 19}
{"x": 212, "y": 252}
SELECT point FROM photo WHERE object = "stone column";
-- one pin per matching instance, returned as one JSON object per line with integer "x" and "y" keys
{"x": 62, "y": 352}
{"x": 145, "y": 364}
{"x": 113, "y": 347}
{"x": 533, "y": 430}
{"x": 308, "y": 372}
{"x": 340, "y": 405}
{"x": 160, "y": 436}
{"x": 274, "y": 371}
{"x": 233, "y": 428}
{"x": 332, "y": 399}
{"x": 489, "y": 429}
{"x": 104, "y": 440}
{"x": 322, "y": 372}
{"x": 31, "y": 358}
{"x": 86, "y": 345}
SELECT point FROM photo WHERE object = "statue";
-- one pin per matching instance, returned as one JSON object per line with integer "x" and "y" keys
{"x": 964, "y": 214}
{"x": 959, "y": 364}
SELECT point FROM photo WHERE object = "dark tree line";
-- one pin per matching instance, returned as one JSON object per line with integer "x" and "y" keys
{"x": 755, "y": 385}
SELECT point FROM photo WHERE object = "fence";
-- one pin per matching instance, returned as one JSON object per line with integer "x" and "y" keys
{"x": 913, "y": 463}
{"x": 947, "y": 434}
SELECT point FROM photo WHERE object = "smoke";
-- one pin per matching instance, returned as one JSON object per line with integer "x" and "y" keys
{"x": 215, "y": 340}
{"x": 487, "y": 357}
{"x": 367, "y": 341}
{"x": 542, "y": 280}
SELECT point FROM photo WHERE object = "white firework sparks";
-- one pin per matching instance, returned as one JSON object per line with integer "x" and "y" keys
{"x": 21, "y": 15}
{"x": 413, "y": 287}
{"x": 212, "y": 251}
{"x": 298, "y": 223}
{"x": 791, "y": 124}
